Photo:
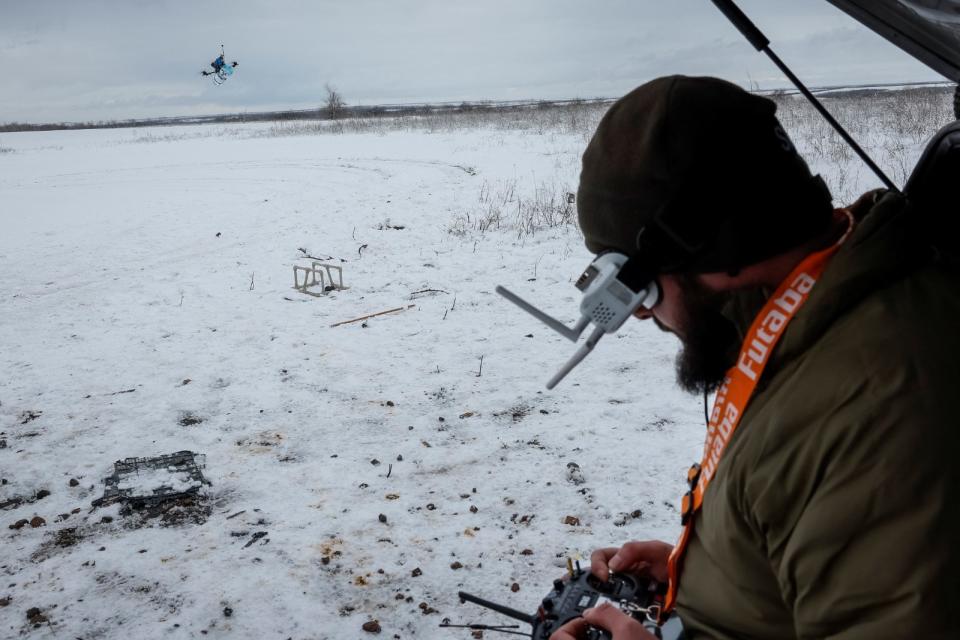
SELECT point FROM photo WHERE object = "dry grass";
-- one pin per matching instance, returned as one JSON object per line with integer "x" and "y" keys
{"x": 575, "y": 117}
{"x": 503, "y": 205}
{"x": 892, "y": 126}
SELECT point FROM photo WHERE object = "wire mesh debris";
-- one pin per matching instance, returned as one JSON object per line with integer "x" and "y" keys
{"x": 148, "y": 482}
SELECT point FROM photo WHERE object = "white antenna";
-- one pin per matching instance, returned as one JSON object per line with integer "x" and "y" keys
{"x": 571, "y": 334}
{"x": 576, "y": 358}
{"x": 607, "y": 302}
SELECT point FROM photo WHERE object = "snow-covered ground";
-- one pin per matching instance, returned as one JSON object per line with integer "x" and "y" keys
{"x": 361, "y": 472}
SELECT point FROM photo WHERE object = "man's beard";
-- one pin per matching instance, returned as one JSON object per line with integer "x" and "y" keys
{"x": 710, "y": 340}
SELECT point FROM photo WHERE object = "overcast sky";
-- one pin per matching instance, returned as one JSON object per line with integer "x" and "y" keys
{"x": 71, "y": 60}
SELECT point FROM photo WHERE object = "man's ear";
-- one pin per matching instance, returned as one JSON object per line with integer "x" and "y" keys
{"x": 766, "y": 273}
{"x": 733, "y": 279}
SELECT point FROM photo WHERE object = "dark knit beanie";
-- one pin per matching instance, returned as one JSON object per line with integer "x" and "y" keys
{"x": 696, "y": 174}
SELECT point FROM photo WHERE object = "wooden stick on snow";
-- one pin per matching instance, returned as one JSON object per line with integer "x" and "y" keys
{"x": 371, "y": 315}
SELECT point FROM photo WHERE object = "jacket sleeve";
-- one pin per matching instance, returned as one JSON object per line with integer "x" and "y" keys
{"x": 868, "y": 547}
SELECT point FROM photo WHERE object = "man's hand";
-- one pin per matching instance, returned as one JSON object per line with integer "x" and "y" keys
{"x": 647, "y": 558}
{"x": 604, "y": 616}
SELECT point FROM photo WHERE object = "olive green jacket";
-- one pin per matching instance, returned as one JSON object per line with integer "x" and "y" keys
{"x": 835, "y": 511}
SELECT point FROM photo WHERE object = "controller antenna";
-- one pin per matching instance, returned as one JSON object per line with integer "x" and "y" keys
{"x": 499, "y": 608}
{"x": 503, "y": 628}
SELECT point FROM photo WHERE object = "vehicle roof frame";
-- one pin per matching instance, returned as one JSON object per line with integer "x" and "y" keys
{"x": 901, "y": 22}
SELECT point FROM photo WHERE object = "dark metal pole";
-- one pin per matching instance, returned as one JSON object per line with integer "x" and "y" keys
{"x": 761, "y": 43}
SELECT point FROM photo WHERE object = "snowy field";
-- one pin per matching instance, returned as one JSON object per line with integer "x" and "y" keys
{"x": 361, "y": 472}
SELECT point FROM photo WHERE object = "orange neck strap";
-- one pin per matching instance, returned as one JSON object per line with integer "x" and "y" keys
{"x": 738, "y": 387}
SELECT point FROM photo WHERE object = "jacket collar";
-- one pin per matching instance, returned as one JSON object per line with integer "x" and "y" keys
{"x": 883, "y": 247}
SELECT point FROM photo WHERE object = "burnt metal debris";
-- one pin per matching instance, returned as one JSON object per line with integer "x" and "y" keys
{"x": 150, "y": 482}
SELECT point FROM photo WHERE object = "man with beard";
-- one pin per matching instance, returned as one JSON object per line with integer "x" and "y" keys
{"x": 825, "y": 503}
